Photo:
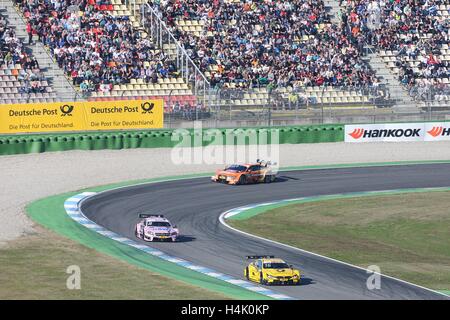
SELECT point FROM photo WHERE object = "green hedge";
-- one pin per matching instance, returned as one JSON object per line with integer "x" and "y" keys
{"x": 20, "y": 144}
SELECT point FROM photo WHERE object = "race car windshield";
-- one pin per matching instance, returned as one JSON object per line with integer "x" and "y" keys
{"x": 278, "y": 265}
{"x": 159, "y": 224}
{"x": 237, "y": 168}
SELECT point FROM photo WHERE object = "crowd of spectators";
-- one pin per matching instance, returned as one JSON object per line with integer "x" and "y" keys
{"x": 247, "y": 43}
{"x": 13, "y": 55}
{"x": 189, "y": 111}
{"x": 256, "y": 43}
{"x": 95, "y": 48}
{"x": 413, "y": 29}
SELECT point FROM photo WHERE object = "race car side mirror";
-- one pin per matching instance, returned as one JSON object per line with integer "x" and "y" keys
{"x": 175, "y": 227}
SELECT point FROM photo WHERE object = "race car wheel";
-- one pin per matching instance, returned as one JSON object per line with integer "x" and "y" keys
{"x": 242, "y": 179}
{"x": 268, "y": 179}
{"x": 261, "y": 279}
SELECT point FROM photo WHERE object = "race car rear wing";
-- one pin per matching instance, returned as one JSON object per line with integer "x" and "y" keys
{"x": 145, "y": 215}
{"x": 260, "y": 257}
{"x": 265, "y": 163}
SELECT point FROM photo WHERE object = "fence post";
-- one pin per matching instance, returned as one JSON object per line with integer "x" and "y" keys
{"x": 321, "y": 119}
{"x": 269, "y": 115}
{"x": 160, "y": 35}
{"x": 217, "y": 108}
{"x": 428, "y": 101}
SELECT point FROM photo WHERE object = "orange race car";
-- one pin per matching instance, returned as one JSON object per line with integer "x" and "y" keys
{"x": 259, "y": 172}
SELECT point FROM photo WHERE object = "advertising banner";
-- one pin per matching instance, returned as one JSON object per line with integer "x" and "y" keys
{"x": 437, "y": 131}
{"x": 398, "y": 132}
{"x": 81, "y": 116}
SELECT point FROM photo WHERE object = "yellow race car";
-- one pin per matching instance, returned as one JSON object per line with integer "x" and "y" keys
{"x": 268, "y": 270}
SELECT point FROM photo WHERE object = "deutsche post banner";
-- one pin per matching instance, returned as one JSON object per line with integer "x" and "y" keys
{"x": 81, "y": 116}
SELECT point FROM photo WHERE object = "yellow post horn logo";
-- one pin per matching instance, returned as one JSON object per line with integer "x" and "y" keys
{"x": 147, "y": 107}
{"x": 66, "y": 110}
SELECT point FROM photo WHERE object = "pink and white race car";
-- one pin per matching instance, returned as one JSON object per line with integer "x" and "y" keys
{"x": 156, "y": 227}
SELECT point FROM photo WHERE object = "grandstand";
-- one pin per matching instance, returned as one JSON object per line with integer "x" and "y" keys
{"x": 21, "y": 79}
{"x": 232, "y": 53}
{"x": 250, "y": 47}
{"x": 412, "y": 39}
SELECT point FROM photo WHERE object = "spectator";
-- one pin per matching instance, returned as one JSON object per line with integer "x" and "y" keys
{"x": 29, "y": 30}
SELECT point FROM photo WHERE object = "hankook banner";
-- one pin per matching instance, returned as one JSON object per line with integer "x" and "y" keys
{"x": 397, "y": 132}
{"x": 81, "y": 116}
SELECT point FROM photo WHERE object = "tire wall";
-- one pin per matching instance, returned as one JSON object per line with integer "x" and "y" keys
{"x": 22, "y": 144}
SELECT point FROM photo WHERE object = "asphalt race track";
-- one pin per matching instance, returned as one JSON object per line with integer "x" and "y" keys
{"x": 195, "y": 205}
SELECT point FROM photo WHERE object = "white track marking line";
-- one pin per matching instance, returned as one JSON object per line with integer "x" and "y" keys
{"x": 222, "y": 221}
{"x": 78, "y": 216}
{"x": 324, "y": 167}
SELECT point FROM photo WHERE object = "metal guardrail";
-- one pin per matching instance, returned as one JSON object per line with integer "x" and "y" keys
{"x": 160, "y": 33}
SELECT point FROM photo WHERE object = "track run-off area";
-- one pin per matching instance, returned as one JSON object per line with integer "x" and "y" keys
{"x": 195, "y": 205}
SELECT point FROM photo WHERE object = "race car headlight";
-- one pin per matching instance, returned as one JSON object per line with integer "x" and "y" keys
{"x": 295, "y": 276}
{"x": 230, "y": 178}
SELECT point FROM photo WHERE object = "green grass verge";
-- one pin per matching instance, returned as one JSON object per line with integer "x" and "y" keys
{"x": 405, "y": 234}
{"x": 34, "y": 267}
